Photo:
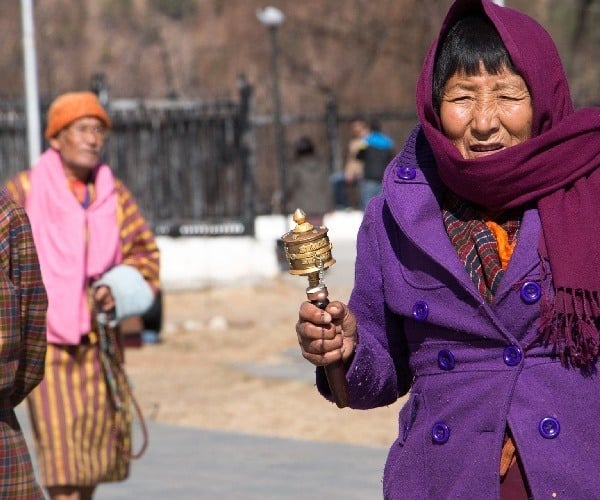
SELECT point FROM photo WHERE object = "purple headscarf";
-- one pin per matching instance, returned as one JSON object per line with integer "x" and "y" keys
{"x": 557, "y": 168}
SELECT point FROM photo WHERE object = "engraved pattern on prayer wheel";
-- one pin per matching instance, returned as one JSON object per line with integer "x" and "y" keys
{"x": 307, "y": 248}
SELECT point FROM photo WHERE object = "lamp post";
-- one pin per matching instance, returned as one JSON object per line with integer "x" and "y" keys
{"x": 31, "y": 86}
{"x": 272, "y": 18}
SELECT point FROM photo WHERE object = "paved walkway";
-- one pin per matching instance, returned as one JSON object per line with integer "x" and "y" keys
{"x": 194, "y": 464}
{"x": 191, "y": 464}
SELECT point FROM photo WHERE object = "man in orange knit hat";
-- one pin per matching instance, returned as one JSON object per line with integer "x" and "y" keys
{"x": 87, "y": 228}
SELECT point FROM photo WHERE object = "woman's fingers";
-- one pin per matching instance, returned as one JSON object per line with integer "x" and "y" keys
{"x": 313, "y": 314}
{"x": 319, "y": 337}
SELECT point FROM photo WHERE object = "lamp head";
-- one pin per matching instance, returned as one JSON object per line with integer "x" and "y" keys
{"x": 270, "y": 16}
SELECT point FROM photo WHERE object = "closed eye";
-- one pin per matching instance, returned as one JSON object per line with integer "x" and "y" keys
{"x": 462, "y": 98}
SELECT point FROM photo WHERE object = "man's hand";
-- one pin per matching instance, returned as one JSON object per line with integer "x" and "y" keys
{"x": 103, "y": 299}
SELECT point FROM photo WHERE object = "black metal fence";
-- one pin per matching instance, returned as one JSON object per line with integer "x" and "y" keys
{"x": 187, "y": 166}
{"x": 13, "y": 139}
{"x": 201, "y": 168}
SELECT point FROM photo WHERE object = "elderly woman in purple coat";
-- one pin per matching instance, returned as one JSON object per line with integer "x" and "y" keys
{"x": 478, "y": 276}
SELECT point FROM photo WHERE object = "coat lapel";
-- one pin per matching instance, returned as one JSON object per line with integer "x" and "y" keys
{"x": 421, "y": 221}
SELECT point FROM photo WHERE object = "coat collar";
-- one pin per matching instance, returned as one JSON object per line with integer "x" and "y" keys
{"x": 413, "y": 193}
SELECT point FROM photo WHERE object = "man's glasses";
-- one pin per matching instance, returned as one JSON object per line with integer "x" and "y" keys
{"x": 80, "y": 130}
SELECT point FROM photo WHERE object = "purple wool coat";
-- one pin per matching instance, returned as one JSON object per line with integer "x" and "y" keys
{"x": 472, "y": 369}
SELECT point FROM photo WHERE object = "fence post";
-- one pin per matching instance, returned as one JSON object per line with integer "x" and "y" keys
{"x": 333, "y": 137}
{"x": 246, "y": 152}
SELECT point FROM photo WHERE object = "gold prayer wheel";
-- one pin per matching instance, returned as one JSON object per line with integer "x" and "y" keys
{"x": 307, "y": 248}
{"x": 308, "y": 251}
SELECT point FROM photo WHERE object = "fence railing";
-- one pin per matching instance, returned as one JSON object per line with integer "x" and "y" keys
{"x": 186, "y": 165}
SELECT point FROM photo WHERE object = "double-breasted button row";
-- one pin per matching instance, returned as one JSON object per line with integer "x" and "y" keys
{"x": 512, "y": 356}
{"x": 549, "y": 428}
{"x": 530, "y": 293}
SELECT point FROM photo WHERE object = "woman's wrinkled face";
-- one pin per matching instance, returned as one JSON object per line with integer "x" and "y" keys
{"x": 485, "y": 113}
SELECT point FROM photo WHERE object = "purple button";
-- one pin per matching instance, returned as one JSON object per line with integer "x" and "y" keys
{"x": 549, "y": 427}
{"x": 440, "y": 433}
{"x": 446, "y": 359}
{"x": 531, "y": 291}
{"x": 420, "y": 310}
{"x": 512, "y": 355}
{"x": 407, "y": 173}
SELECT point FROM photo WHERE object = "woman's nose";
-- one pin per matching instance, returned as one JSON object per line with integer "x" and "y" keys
{"x": 485, "y": 118}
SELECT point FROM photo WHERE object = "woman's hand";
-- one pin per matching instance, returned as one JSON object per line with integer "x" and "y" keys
{"x": 326, "y": 335}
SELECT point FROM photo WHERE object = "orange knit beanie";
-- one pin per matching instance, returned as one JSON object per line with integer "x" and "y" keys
{"x": 71, "y": 106}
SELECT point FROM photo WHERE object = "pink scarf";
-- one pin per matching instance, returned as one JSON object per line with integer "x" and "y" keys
{"x": 75, "y": 245}
{"x": 558, "y": 168}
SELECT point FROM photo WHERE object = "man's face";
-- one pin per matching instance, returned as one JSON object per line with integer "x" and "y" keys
{"x": 80, "y": 145}
{"x": 359, "y": 129}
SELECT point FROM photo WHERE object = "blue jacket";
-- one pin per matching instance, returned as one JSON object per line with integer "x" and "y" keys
{"x": 376, "y": 153}
{"x": 472, "y": 368}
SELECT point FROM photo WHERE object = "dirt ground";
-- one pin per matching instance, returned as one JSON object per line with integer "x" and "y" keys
{"x": 195, "y": 376}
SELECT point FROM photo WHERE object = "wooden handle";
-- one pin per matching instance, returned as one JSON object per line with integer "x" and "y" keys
{"x": 336, "y": 378}
{"x": 335, "y": 372}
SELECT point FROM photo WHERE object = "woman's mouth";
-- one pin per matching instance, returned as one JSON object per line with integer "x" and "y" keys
{"x": 486, "y": 148}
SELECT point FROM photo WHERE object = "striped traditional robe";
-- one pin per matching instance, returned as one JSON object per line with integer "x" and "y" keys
{"x": 73, "y": 417}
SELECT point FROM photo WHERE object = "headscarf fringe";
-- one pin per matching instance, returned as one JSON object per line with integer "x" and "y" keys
{"x": 571, "y": 325}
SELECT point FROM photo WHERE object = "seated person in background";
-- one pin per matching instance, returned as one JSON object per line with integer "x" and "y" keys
{"x": 308, "y": 182}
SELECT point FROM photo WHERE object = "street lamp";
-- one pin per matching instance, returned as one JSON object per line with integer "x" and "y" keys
{"x": 31, "y": 86}
{"x": 272, "y": 18}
